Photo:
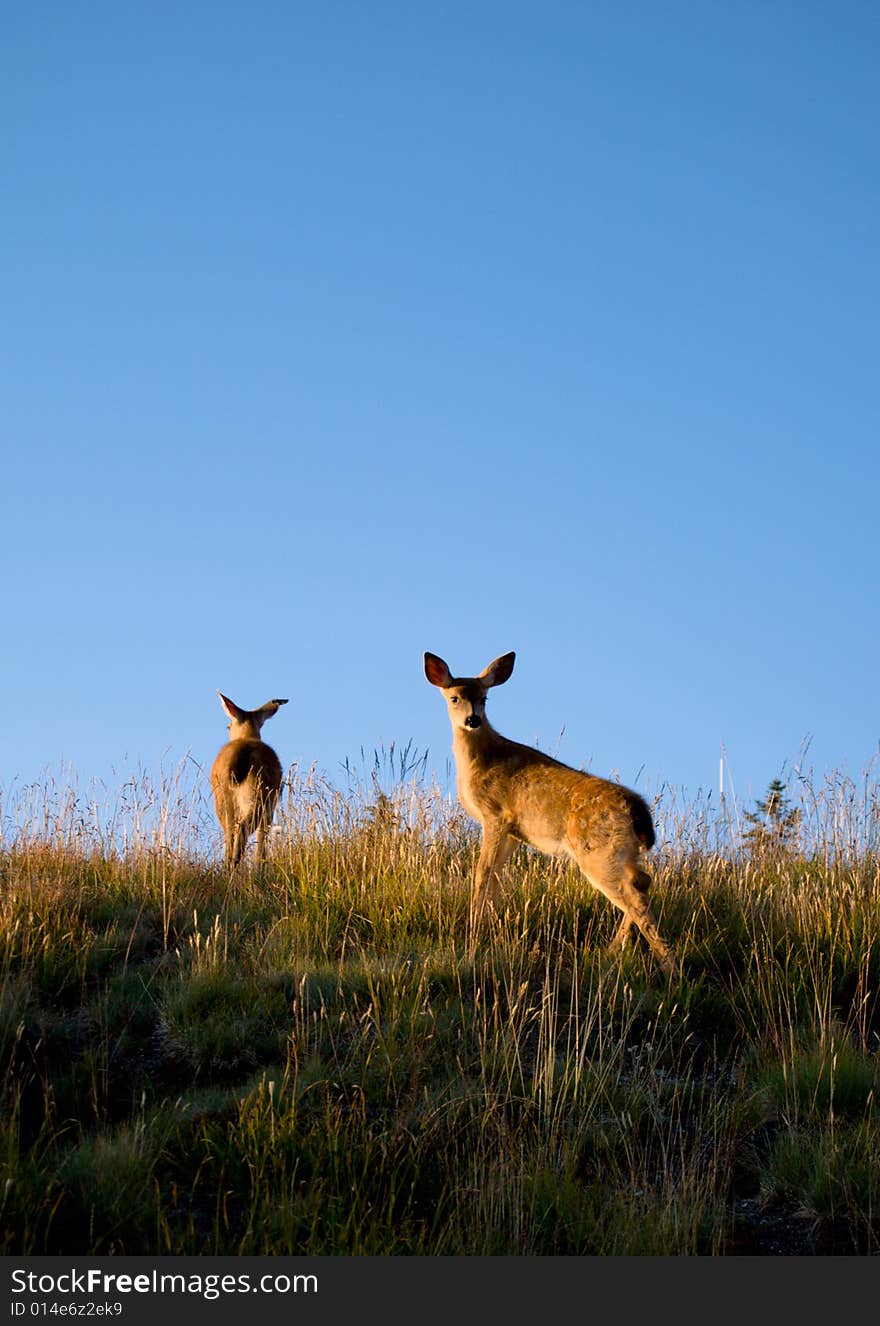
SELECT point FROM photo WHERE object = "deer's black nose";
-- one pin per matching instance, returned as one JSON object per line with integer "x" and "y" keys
{"x": 473, "y": 720}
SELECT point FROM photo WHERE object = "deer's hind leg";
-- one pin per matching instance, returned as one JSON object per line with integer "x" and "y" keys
{"x": 236, "y": 842}
{"x": 618, "y": 875}
{"x": 242, "y": 817}
{"x": 618, "y": 943}
{"x": 232, "y": 834}
{"x": 264, "y": 814}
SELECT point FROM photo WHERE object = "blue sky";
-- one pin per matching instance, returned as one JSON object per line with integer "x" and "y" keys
{"x": 337, "y": 332}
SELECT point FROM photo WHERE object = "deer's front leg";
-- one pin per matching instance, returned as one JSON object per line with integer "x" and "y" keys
{"x": 495, "y": 852}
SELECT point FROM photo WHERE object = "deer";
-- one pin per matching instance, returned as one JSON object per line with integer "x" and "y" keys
{"x": 246, "y": 780}
{"x": 520, "y": 795}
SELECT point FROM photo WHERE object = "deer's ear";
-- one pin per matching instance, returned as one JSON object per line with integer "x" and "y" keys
{"x": 436, "y": 671}
{"x": 499, "y": 671}
{"x": 232, "y": 709}
{"x": 268, "y": 709}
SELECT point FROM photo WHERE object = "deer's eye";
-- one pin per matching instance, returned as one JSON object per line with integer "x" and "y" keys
{"x": 453, "y": 699}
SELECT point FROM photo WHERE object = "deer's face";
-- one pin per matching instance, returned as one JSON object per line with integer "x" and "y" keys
{"x": 466, "y": 696}
{"x": 466, "y": 702}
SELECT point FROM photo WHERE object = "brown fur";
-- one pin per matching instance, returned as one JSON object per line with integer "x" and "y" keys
{"x": 246, "y": 780}
{"x": 520, "y": 795}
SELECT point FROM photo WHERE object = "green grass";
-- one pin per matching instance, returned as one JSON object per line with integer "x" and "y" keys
{"x": 307, "y": 1060}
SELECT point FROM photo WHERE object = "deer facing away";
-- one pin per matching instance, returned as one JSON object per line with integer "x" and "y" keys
{"x": 246, "y": 780}
{"x": 520, "y": 795}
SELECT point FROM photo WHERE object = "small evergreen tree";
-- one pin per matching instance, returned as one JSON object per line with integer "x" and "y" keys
{"x": 774, "y": 821}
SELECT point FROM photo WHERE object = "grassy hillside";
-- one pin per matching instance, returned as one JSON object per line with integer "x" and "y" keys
{"x": 305, "y": 1060}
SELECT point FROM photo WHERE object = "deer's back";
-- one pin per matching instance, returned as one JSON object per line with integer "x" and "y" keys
{"x": 246, "y": 760}
{"x": 552, "y": 806}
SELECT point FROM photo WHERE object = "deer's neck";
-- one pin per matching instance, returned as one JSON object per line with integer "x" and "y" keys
{"x": 476, "y": 748}
{"x": 246, "y": 732}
